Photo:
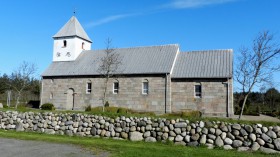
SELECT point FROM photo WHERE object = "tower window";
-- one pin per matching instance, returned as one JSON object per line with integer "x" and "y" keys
{"x": 83, "y": 44}
{"x": 64, "y": 43}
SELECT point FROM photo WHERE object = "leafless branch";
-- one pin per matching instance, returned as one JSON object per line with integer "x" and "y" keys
{"x": 20, "y": 78}
{"x": 257, "y": 65}
{"x": 109, "y": 65}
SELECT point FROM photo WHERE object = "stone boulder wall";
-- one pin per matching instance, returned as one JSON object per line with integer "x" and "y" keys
{"x": 182, "y": 132}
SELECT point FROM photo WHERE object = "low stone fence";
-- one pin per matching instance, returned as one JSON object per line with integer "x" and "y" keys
{"x": 182, "y": 132}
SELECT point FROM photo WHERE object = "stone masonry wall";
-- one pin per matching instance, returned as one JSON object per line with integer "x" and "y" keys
{"x": 129, "y": 96}
{"x": 180, "y": 94}
{"x": 214, "y": 96}
{"x": 180, "y": 131}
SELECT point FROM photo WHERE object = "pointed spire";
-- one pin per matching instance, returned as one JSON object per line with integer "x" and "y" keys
{"x": 72, "y": 28}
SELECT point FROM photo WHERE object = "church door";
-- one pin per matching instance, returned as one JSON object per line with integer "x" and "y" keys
{"x": 70, "y": 99}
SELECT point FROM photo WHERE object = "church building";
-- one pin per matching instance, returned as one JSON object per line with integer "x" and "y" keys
{"x": 158, "y": 79}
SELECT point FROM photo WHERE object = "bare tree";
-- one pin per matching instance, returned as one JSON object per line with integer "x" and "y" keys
{"x": 257, "y": 65}
{"x": 20, "y": 79}
{"x": 109, "y": 66}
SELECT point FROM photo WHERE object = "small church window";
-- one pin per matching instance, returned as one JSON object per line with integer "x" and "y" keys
{"x": 83, "y": 45}
{"x": 198, "y": 91}
{"x": 51, "y": 95}
{"x": 145, "y": 87}
{"x": 89, "y": 87}
{"x": 64, "y": 43}
{"x": 116, "y": 87}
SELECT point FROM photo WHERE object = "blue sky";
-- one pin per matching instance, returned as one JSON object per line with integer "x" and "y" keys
{"x": 27, "y": 26}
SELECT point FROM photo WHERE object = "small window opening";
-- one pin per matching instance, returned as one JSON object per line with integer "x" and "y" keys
{"x": 116, "y": 87}
{"x": 64, "y": 43}
{"x": 89, "y": 88}
{"x": 51, "y": 95}
{"x": 198, "y": 92}
{"x": 83, "y": 44}
{"x": 145, "y": 87}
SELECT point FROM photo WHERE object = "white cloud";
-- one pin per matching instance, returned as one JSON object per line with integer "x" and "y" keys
{"x": 181, "y": 4}
{"x": 109, "y": 19}
{"x": 174, "y": 4}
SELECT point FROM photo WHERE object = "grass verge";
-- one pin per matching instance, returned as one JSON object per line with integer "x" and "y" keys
{"x": 123, "y": 148}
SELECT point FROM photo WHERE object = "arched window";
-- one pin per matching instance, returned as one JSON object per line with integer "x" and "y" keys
{"x": 116, "y": 87}
{"x": 83, "y": 45}
{"x": 145, "y": 87}
{"x": 64, "y": 43}
{"x": 51, "y": 95}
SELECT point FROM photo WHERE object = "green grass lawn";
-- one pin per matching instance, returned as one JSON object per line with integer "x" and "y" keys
{"x": 124, "y": 148}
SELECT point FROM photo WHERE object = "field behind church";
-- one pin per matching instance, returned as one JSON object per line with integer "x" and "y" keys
{"x": 123, "y": 148}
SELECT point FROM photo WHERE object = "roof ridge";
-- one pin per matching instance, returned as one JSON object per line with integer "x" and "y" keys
{"x": 142, "y": 47}
{"x": 230, "y": 50}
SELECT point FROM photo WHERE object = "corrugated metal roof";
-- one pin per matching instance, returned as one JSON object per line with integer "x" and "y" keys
{"x": 72, "y": 28}
{"x": 204, "y": 64}
{"x": 137, "y": 60}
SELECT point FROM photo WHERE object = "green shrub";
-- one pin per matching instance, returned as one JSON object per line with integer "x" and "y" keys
{"x": 21, "y": 106}
{"x": 107, "y": 104}
{"x": 274, "y": 113}
{"x": 252, "y": 113}
{"x": 110, "y": 109}
{"x": 246, "y": 110}
{"x": 248, "y": 103}
{"x": 48, "y": 106}
{"x": 193, "y": 114}
{"x": 258, "y": 110}
{"x": 96, "y": 109}
{"x": 88, "y": 108}
{"x": 122, "y": 110}
{"x": 151, "y": 114}
{"x": 237, "y": 110}
{"x": 5, "y": 106}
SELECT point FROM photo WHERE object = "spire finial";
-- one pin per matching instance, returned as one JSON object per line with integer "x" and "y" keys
{"x": 74, "y": 12}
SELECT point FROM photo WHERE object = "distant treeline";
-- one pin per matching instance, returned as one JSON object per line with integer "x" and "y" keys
{"x": 30, "y": 92}
{"x": 266, "y": 102}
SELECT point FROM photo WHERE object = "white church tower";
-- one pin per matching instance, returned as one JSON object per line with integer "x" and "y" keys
{"x": 70, "y": 41}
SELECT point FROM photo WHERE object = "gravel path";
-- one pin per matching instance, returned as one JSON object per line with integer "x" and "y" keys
{"x": 21, "y": 148}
